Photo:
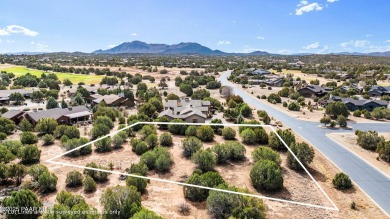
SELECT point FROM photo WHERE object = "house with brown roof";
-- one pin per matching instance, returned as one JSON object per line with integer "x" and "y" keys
{"x": 4, "y": 94}
{"x": 67, "y": 116}
{"x": 14, "y": 115}
{"x": 314, "y": 91}
{"x": 112, "y": 100}
{"x": 191, "y": 111}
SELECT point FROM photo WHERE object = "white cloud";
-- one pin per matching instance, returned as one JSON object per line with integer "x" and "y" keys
{"x": 312, "y": 46}
{"x": 356, "y": 44}
{"x": 111, "y": 46}
{"x": 10, "y": 41}
{"x": 369, "y": 35}
{"x": 224, "y": 42}
{"x": 387, "y": 41}
{"x": 303, "y": 2}
{"x": 260, "y": 38}
{"x": 11, "y": 29}
{"x": 308, "y": 8}
{"x": 331, "y": 1}
{"x": 40, "y": 47}
{"x": 1, "y": 41}
{"x": 134, "y": 34}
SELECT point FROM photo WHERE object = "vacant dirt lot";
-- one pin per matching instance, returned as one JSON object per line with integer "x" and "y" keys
{"x": 349, "y": 140}
{"x": 236, "y": 174}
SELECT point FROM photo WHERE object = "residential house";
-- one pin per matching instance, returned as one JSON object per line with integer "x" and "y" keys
{"x": 112, "y": 100}
{"x": 191, "y": 111}
{"x": 14, "y": 115}
{"x": 376, "y": 91}
{"x": 4, "y": 94}
{"x": 67, "y": 116}
{"x": 353, "y": 104}
{"x": 314, "y": 91}
{"x": 356, "y": 87}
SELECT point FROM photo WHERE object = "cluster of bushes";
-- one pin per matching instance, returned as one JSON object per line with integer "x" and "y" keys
{"x": 207, "y": 179}
{"x": 42, "y": 179}
{"x": 7, "y": 127}
{"x": 11, "y": 149}
{"x": 253, "y": 135}
{"x": 264, "y": 116}
{"x": 371, "y": 140}
{"x": 158, "y": 159}
{"x": 340, "y": 120}
{"x": 229, "y": 151}
{"x": 110, "y": 143}
{"x": 378, "y": 113}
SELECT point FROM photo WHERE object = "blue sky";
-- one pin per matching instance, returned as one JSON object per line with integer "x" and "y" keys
{"x": 279, "y": 26}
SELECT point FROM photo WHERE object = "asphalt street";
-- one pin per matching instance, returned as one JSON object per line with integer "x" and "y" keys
{"x": 373, "y": 182}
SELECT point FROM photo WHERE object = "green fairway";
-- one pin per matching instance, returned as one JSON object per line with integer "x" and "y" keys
{"x": 75, "y": 78}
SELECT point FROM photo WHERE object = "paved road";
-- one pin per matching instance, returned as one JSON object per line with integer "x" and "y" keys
{"x": 370, "y": 180}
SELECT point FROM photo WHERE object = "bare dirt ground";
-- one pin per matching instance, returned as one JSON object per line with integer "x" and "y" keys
{"x": 164, "y": 198}
{"x": 349, "y": 140}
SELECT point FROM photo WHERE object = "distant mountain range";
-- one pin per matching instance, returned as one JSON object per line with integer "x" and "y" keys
{"x": 196, "y": 48}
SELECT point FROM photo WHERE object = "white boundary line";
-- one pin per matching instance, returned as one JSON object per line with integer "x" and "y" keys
{"x": 334, "y": 208}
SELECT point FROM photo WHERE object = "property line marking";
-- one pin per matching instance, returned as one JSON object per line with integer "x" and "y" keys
{"x": 333, "y": 208}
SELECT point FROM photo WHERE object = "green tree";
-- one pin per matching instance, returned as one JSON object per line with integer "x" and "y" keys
{"x": 36, "y": 170}
{"x": 25, "y": 126}
{"x": 47, "y": 182}
{"x": 245, "y": 110}
{"x": 342, "y": 121}
{"x": 48, "y": 139}
{"x": 325, "y": 120}
{"x": 51, "y": 103}
{"x": 17, "y": 172}
{"x": 22, "y": 198}
{"x": 335, "y": 109}
{"x": 5, "y": 155}
{"x": 37, "y": 96}
{"x": 139, "y": 183}
{"x": 74, "y": 179}
{"x": 304, "y": 153}
{"x": 205, "y": 133}
{"x": 30, "y": 154}
{"x": 100, "y": 130}
{"x": 368, "y": 140}
{"x": 145, "y": 214}
{"x": 342, "y": 181}
{"x": 287, "y": 136}
{"x": 265, "y": 153}
{"x": 200, "y": 94}
{"x": 46, "y": 125}
{"x": 105, "y": 120}
{"x": 266, "y": 175}
{"x": 204, "y": 159}
{"x": 89, "y": 184}
{"x": 186, "y": 88}
{"x": 248, "y": 136}
{"x": 103, "y": 145}
{"x": 229, "y": 133}
{"x": 191, "y": 145}
{"x": 18, "y": 98}
{"x": 166, "y": 140}
{"x": 126, "y": 200}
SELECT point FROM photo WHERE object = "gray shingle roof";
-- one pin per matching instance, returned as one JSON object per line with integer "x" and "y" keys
{"x": 56, "y": 113}
{"x": 12, "y": 113}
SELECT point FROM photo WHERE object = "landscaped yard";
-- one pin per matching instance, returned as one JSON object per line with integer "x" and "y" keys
{"x": 75, "y": 78}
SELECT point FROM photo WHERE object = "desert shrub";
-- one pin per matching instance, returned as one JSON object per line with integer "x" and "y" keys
{"x": 146, "y": 214}
{"x": 140, "y": 148}
{"x": 177, "y": 129}
{"x": 48, "y": 139}
{"x": 47, "y": 182}
{"x": 229, "y": 150}
{"x": 28, "y": 138}
{"x": 138, "y": 168}
{"x": 342, "y": 181}
{"x": 228, "y": 133}
{"x": 274, "y": 98}
{"x": 265, "y": 153}
{"x": 74, "y": 179}
{"x": 342, "y": 121}
{"x": 98, "y": 176}
{"x": 105, "y": 120}
{"x": 36, "y": 170}
{"x": 266, "y": 175}
{"x": 117, "y": 141}
{"x": 89, "y": 184}
{"x": 204, "y": 159}
{"x": 30, "y": 154}
{"x": 191, "y": 131}
{"x": 166, "y": 139}
{"x": 208, "y": 179}
{"x": 226, "y": 205}
{"x": 5, "y": 155}
{"x": 103, "y": 145}
{"x": 99, "y": 130}
{"x": 151, "y": 141}
{"x": 163, "y": 163}
{"x": 191, "y": 145}
{"x": 383, "y": 149}
{"x": 248, "y": 136}
{"x": 205, "y": 133}
{"x": 369, "y": 140}
{"x": 287, "y": 136}
{"x": 357, "y": 113}
{"x": 159, "y": 159}
{"x": 139, "y": 183}
{"x": 294, "y": 106}
{"x": 304, "y": 153}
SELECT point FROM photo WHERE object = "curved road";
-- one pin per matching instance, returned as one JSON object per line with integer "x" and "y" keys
{"x": 373, "y": 182}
